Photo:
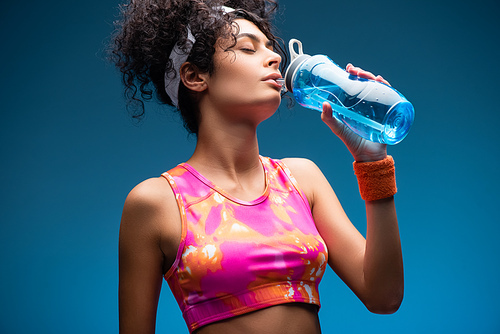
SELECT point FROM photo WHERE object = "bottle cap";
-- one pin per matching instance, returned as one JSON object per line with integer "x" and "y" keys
{"x": 296, "y": 59}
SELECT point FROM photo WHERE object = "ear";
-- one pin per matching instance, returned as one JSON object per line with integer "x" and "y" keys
{"x": 192, "y": 78}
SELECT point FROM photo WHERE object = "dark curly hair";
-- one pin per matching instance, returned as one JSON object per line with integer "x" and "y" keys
{"x": 148, "y": 31}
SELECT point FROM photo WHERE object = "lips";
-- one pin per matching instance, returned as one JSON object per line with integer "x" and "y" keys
{"x": 274, "y": 79}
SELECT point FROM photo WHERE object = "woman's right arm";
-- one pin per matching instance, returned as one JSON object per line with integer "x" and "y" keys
{"x": 150, "y": 232}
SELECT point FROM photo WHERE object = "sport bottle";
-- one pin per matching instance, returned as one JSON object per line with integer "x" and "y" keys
{"x": 373, "y": 110}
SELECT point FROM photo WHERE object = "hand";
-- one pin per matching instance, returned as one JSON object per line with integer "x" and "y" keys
{"x": 361, "y": 149}
{"x": 364, "y": 74}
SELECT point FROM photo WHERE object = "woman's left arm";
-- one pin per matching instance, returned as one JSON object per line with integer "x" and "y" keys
{"x": 371, "y": 267}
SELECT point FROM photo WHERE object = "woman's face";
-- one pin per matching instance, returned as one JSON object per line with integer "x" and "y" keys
{"x": 245, "y": 74}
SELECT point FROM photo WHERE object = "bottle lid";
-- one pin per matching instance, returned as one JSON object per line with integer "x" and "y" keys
{"x": 296, "y": 59}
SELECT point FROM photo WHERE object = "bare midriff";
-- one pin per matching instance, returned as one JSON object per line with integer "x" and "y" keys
{"x": 294, "y": 318}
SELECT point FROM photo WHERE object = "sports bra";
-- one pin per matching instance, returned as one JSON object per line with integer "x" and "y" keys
{"x": 240, "y": 256}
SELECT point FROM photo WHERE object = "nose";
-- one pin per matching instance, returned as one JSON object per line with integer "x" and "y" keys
{"x": 274, "y": 59}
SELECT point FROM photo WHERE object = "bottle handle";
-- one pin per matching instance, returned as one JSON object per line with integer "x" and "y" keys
{"x": 294, "y": 55}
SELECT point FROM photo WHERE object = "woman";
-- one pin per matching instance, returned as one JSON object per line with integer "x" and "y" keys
{"x": 242, "y": 240}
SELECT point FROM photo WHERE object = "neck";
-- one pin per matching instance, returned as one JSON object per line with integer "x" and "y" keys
{"x": 226, "y": 149}
{"x": 227, "y": 139}
{"x": 229, "y": 157}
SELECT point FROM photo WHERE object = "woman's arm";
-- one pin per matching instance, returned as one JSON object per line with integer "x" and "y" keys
{"x": 149, "y": 237}
{"x": 372, "y": 268}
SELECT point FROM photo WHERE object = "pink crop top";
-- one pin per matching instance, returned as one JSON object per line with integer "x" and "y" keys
{"x": 236, "y": 256}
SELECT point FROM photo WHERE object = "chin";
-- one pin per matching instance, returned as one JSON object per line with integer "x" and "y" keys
{"x": 272, "y": 104}
{"x": 262, "y": 110}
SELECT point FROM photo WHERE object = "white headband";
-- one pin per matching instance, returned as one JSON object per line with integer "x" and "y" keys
{"x": 178, "y": 57}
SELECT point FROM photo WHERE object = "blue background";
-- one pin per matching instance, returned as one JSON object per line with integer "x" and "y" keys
{"x": 70, "y": 154}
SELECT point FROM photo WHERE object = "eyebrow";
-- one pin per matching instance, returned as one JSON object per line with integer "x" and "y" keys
{"x": 254, "y": 37}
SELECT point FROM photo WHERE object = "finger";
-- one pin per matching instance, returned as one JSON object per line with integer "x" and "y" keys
{"x": 379, "y": 78}
{"x": 327, "y": 117}
{"x": 351, "y": 69}
{"x": 327, "y": 110}
{"x": 327, "y": 114}
{"x": 365, "y": 74}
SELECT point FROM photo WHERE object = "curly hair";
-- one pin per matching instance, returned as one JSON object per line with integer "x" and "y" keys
{"x": 148, "y": 30}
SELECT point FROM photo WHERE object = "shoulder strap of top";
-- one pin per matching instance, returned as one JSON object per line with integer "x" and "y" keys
{"x": 182, "y": 211}
{"x": 293, "y": 181}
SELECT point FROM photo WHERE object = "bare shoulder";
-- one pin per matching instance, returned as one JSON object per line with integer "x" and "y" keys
{"x": 303, "y": 170}
{"x": 300, "y": 165}
{"x": 150, "y": 197}
{"x": 151, "y": 214}
{"x": 154, "y": 193}
{"x": 307, "y": 174}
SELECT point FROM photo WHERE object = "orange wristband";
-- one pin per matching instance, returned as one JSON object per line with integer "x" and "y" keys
{"x": 376, "y": 179}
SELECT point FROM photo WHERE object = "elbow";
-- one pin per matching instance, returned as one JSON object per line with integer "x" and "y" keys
{"x": 385, "y": 305}
{"x": 384, "y": 308}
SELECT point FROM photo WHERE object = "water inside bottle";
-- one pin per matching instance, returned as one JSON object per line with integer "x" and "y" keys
{"x": 370, "y": 119}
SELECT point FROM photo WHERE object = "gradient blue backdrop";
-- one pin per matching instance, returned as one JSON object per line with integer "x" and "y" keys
{"x": 70, "y": 154}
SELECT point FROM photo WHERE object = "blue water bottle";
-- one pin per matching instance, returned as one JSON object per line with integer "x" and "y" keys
{"x": 373, "y": 110}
